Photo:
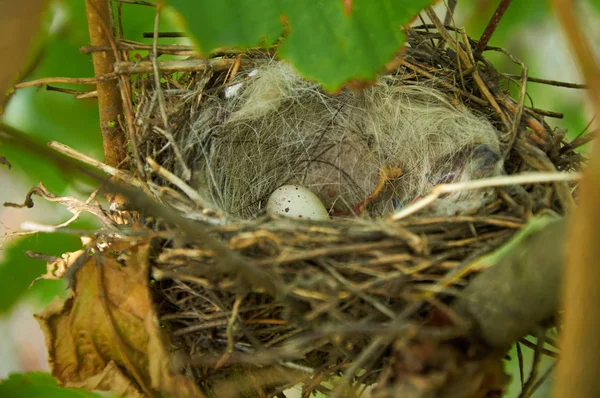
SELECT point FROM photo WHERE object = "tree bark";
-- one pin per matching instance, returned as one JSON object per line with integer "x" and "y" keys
{"x": 109, "y": 97}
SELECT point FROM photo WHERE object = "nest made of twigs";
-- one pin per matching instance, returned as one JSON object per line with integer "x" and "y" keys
{"x": 304, "y": 301}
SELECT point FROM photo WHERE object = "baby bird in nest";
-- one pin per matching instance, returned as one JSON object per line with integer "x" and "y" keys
{"x": 365, "y": 152}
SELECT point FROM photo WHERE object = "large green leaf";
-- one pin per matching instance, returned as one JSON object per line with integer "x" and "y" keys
{"x": 331, "y": 41}
{"x": 38, "y": 385}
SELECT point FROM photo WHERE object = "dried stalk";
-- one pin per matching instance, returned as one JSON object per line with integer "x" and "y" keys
{"x": 580, "y": 360}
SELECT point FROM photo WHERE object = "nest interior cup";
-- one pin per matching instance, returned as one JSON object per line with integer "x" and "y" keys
{"x": 270, "y": 127}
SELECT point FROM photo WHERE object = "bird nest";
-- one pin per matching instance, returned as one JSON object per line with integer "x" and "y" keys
{"x": 366, "y": 296}
{"x": 415, "y": 171}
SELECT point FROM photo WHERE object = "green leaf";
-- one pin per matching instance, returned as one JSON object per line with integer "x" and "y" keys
{"x": 519, "y": 239}
{"x": 38, "y": 385}
{"x": 323, "y": 40}
{"x": 18, "y": 270}
{"x": 595, "y": 4}
{"x": 230, "y": 23}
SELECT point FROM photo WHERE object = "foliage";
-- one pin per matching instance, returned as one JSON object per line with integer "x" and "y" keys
{"x": 37, "y": 384}
{"x": 21, "y": 270}
{"x": 329, "y": 41}
{"x": 109, "y": 311}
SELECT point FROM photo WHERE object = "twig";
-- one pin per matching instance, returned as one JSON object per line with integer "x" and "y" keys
{"x": 113, "y": 171}
{"x": 148, "y": 35}
{"x": 492, "y": 25}
{"x": 518, "y": 179}
{"x": 450, "y": 11}
{"x": 173, "y": 179}
{"x": 76, "y": 93}
{"x": 88, "y": 95}
{"x": 543, "y": 112}
{"x": 170, "y": 66}
{"x": 326, "y": 251}
{"x": 364, "y": 356}
{"x": 468, "y": 59}
{"x": 138, "y": 2}
{"x": 545, "y": 351}
{"x": 187, "y": 174}
{"x": 132, "y": 68}
{"x": 497, "y": 221}
{"x": 368, "y": 299}
{"x": 447, "y": 85}
{"x": 68, "y": 80}
{"x": 520, "y": 102}
{"x": 535, "y": 366}
{"x": 466, "y": 56}
{"x": 521, "y": 365}
{"x": 126, "y": 45}
{"x": 550, "y": 82}
{"x": 543, "y": 378}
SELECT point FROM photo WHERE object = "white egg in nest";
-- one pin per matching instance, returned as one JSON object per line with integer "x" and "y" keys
{"x": 295, "y": 201}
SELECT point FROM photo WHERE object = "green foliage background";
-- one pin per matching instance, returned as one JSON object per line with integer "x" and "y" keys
{"x": 56, "y": 116}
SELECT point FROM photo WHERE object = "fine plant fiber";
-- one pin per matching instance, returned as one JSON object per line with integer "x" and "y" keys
{"x": 271, "y": 127}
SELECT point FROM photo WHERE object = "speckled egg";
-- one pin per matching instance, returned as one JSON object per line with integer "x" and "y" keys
{"x": 295, "y": 201}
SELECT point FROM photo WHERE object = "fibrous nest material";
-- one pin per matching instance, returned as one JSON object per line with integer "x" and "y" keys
{"x": 316, "y": 300}
{"x": 274, "y": 127}
{"x": 255, "y": 303}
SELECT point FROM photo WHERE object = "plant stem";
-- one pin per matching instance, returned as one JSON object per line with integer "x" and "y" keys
{"x": 580, "y": 347}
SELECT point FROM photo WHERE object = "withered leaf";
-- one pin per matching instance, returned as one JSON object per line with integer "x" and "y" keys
{"x": 105, "y": 335}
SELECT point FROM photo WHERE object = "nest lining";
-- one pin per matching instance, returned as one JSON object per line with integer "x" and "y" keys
{"x": 281, "y": 129}
{"x": 327, "y": 290}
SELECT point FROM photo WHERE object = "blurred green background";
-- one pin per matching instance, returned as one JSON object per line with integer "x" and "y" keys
{"x": 528, "y": 30}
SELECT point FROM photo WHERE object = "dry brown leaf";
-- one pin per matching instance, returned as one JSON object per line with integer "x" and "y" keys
{"x": 105, "y": 335}
{"x": 111, "y": 379}
{"x": 19, "y": 22}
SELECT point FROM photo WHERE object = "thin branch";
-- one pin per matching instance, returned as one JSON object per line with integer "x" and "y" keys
{"x": 518, "y": 179}
{"x": 143, "y": 67}
{"x": 450, "y": 11}
{"x": 492, "y": 25}
{"x": 535, "y": 366}
{"x": 187, "y": 65}
{"x": 186, "y": 172}
{"x": 137, "y": 2}
{"x": 173, "y": 179}
{"x": 551, "y": 82}
{"x": 126, "y": 45}
{"x": 109, "y": 100}
{"x": 68, "y": 80}
{"x": 169, "y": 35}
{"x": 113, "y": 171}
